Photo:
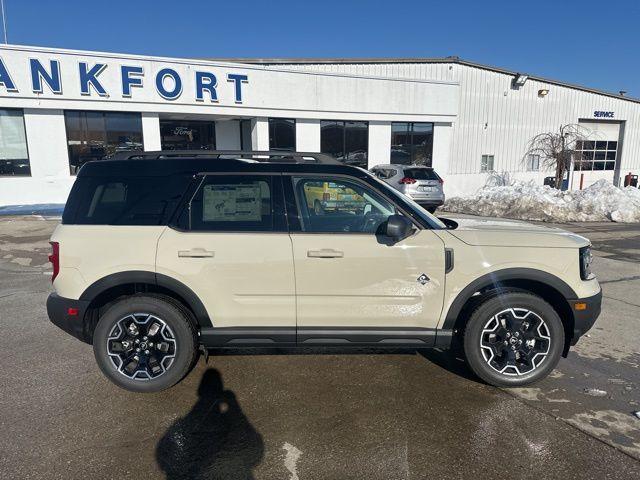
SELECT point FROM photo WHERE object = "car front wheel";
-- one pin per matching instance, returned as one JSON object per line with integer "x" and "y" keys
{"x": 145, "y": 343}
{"x": 513, "y": 339}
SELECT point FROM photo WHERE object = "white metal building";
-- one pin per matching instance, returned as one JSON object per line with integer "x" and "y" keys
{"x": 61, "y": 108}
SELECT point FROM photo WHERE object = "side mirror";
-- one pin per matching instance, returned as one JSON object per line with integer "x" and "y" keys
{"x": 398, "y": 227}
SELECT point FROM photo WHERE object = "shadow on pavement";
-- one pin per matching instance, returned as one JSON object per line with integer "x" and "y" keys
{"x": 214, "y": 440}
{"x": 447, "y": 359}
{"x": 451, "y": 361}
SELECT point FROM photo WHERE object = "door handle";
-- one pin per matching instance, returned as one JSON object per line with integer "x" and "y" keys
{"x": 195, "y": 253}
{"x": 325, "y": 253}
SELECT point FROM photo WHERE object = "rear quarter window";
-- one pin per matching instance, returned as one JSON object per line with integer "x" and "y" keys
{"x": 124, "y": 201}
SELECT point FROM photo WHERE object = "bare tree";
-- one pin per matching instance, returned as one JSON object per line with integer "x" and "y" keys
{"x": 557, "y": 149}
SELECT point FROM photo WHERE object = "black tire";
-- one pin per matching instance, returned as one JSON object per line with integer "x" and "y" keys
{"x": 429, "y": 208}
{"x": 494, "y": 356}
{"x": 181, "y": 335}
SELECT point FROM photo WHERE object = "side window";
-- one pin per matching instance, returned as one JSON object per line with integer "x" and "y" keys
{"x": 334, "y": 205}
{"x": 233, "y": 203}
{"x": 125, "y": 200}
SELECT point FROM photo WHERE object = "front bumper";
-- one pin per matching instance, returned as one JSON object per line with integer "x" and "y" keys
{"x": 68, "y": 314}
{"x": 584, "y": 318}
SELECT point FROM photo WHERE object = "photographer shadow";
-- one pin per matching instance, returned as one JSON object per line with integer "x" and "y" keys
{"x": 215, "y": 440}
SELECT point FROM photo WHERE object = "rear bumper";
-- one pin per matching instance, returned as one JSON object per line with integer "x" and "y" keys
{"x": 584, "y": 319}
{"x": 422, "y": 199}
{"x": 58, "y": 309}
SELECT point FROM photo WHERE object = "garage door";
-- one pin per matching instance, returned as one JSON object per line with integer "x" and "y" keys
{"x": 598, "y": 153}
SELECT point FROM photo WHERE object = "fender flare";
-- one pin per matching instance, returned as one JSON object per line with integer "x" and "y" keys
{"x": 142, "y": 276}
{"x": 495, "y": 278}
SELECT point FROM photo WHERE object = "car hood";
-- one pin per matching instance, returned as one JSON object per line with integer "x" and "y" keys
{"x": 514, "y": 233}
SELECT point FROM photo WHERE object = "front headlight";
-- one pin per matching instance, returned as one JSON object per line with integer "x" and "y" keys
{"x": 586, "y": 258}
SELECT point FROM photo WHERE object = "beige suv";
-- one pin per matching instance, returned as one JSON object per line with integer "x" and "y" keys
{"x": 161, "y": 255}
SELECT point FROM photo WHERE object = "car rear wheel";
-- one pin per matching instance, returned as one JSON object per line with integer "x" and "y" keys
{"x": 145, "y": 343}
{"x": 513, "y": 339}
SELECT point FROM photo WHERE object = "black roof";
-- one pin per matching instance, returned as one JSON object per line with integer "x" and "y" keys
{"x": 146, "y": 167}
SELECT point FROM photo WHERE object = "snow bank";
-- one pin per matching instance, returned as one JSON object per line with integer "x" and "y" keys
{"x": 602, "y": 201}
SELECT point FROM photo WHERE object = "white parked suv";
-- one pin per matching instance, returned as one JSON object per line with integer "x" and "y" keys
{"x": 161, "y": 254}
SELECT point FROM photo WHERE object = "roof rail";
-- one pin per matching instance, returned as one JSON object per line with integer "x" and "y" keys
{"x": 268, "y": 156}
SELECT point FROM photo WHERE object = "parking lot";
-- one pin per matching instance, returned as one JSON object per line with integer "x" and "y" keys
{"x": 316, "y": 414}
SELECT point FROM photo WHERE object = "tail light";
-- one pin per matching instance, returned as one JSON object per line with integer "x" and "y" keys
{"x": 408, "y": 181}
{"x": 441, "y": 181}
{"x": 326, "y": 196}
{"x": 54, "y": 258}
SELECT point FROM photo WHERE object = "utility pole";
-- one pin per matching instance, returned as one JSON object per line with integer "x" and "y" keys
{"x": 4, "y": 22}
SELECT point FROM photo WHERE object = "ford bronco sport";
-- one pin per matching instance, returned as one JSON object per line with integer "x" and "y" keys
{"x": 161, "y": 254}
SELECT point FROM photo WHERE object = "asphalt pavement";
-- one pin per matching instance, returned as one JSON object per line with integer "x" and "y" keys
{"x": 316, "y": 414}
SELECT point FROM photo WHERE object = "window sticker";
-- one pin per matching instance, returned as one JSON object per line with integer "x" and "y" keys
{"x": 232, "y": 203}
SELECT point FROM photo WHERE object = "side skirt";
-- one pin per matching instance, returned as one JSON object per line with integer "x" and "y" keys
{"x": 323, "y": 336}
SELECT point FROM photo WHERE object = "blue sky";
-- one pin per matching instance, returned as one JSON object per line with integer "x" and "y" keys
{"x": 588, "y": 42}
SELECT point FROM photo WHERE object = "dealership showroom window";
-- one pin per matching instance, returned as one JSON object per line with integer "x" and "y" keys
{"x": 412, "y": 143}
{"x": 282, "y": 134}
{"x": 95, "y": 135}
{"x": 187, "y": 135}
{"x": 347, "y": 141}
{"x": 14, "y": 157}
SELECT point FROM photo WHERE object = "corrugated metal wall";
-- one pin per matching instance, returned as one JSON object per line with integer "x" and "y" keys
{"x": 496, "y": 119}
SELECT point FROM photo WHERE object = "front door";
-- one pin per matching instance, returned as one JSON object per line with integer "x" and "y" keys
{"x": 233, "y": 251}
{"x": 350, "y": 277}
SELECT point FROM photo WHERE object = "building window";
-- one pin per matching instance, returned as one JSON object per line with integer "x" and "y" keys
{"x": 14, "y": 156}
{"x": 187, "y": 135}
{"x": 347, "y": 141}
{"x": 596, "y": 155}
{"x": 533, "y": 163}
{"x": 486, "y": 163}
{"x": 412, "y": 143}
{"x": 96, "y": 135}
{"x": 282, "y": 134}
{"x": 245, "y": 135}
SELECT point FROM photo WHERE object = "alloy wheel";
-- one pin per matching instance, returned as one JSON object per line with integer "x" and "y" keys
{"x": 141, "y": 346}
{"x": 515, "y": 341}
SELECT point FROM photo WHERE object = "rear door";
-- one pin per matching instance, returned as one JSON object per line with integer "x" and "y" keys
{"x": 352, "y": 282}
{"x": 233, "y": 250}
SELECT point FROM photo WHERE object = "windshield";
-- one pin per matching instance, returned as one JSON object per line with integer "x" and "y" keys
{"x": 421, "y": 212}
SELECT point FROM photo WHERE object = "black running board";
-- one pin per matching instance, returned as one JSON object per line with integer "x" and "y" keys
{"x": 324, "y": 336}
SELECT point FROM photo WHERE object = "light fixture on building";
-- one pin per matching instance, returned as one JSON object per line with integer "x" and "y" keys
{"x": 543, "y": 92}
{"x": 622, "y": 93}
{"x": 520, "y": 79}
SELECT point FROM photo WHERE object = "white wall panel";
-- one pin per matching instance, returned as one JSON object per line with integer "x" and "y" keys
{"x": 493, "y": 118}
{"x": 307, "y": 135}
{"x": 228, "y": 135}
{"x": 151, "y": 132}
{"x": 379, "y": 143}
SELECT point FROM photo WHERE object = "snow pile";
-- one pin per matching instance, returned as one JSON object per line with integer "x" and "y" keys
{"x": 602, "y": 201}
